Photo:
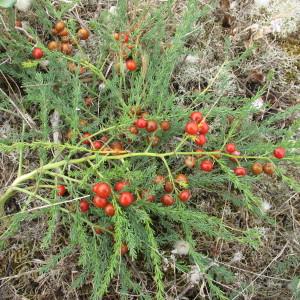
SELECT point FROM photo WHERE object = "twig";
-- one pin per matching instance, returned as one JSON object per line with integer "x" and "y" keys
{"x": 18, "y": 275}
{"x": 25, "y": 32}
{"x": 55, "y": 120}
{"x": 106, "y": 156}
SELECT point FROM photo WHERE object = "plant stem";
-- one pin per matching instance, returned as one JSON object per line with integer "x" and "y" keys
{"x": 11, "y": 190}
{"x": 62, "y": 176}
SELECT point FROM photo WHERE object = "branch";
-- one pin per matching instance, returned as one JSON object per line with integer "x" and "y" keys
{"x": 107, "y": 155}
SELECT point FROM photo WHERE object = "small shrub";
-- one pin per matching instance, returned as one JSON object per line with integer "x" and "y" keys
{"x": 106, "y": 110}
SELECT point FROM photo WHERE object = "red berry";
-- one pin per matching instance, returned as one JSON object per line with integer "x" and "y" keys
{"x": 61, "y": 190}
{"x": 120, "y": 185}
{"x": 84, "y": 206}
{"x": 230, "y": 148}
{"x": 102, "y": 189}
{"x": 151, "y": 126}
{"x": 240, "y": 171}
{"x": 96, "y": 145}
{"x": 126, "y": 198}
{"x": 37, "y": 53}
{"x": 85, "y": 138}
{"x": 206, "y": 165}
{"x": 141, "y": 123}
{"x": 165, "y": 125}
{"x": 94, "y": 187}
{"x": 99, "y": 202}
{"x": 191, "y": 128}
{"x": 124, "y": 249}
{"x": 196, "y": 116}
{"x": 200, "y": 140}
{"x": 203, "y": 127}
{"x": 279, "y": 152}
{"x": 168, "y": 187}
{"x": 167, "y": 200}
{"x": 185, "y": 195}
{"x": 125, "y": 37}
{"x": 131, "y": 65}
{"x": 109, "y": 210}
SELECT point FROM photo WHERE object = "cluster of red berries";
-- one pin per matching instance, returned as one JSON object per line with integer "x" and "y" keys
{"x": 141, "y": 123}
{"x": 231, "y": 149}
{"x": 124, "y": 37}
{"x": 167, "y": 199}
{"x": 197, "y": 127}
{"x": 268, "y": 168}
{"x": 64, "y": 44}
{"x": 150, "y": 126}
{"x": 102, "y": 144}
{"x": 257, "y": 168}
{"x": 103, "y": 191}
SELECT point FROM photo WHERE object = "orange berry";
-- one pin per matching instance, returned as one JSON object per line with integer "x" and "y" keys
{"x": 83, "y": 34}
